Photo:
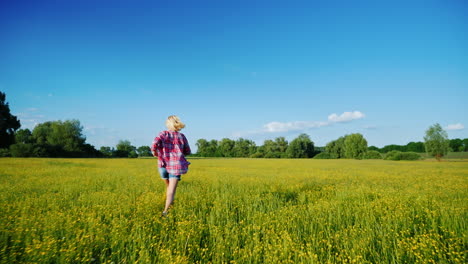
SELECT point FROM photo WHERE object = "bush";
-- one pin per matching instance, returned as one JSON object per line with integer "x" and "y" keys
{"x": 393, "y": 155}
{"x": 256, "y": 155}
{"x": 324, "y": 155}
{"x": 22, "y": 150}
{"x": 4, "y": 153}
{"x": 398, "y": 155}
{"x": 372, "y": 154}
{"x": 273, "y": 155}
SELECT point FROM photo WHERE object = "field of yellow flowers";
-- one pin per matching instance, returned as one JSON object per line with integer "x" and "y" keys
{"x": 234, "y": 211}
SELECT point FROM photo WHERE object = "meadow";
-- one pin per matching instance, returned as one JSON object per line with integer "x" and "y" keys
{"x": 234, "y": 211}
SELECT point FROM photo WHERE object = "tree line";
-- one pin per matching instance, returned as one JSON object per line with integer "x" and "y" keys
{"x": 54, "y": 139}
{"x": 300, "y": 147}
{"x": 455, "y": 145}
{"x": 353, "y": 146}
{"x": 65, "y": 139}
{"x": 350, "y": 146}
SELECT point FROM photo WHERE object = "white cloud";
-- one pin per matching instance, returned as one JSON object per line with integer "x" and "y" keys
{"x": 345, "y": 117}
{"x": 273, "y": 127}
{"x": 457, "y": 126}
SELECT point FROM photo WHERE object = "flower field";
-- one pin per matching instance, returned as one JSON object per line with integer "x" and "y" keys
{"x": 234, "y": 211}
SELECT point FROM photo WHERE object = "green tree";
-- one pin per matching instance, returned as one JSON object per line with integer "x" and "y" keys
{"x": 301, "y": 147}
{"x": 41, "y": 132}
{"x": 372, "y": 154}
{"x": 23, "y": 136}
{"x": 270, "y": 146}
{"x": 88, "y": 150}
{"x": 213, "y": 148}
{"x": 57, "y": 138}
{"x": 436, "y": 141}
{"x": 68, "y": 135}
{"x": 355, "y": 145}
{"x": 456, "y": 144}
{"x": 374, "y": 148}
{"x": 125, "y": 149}
{"x": 282, "y": 144}
{"x": 22, "y": 150}
{"x": 270, "y": 149}
{"x": 465, "y": 144}
{"x": 336, "y": 148}
{"x": 244, "y": 148}
{"x": 107, "y": 151}
{"x": 8, "y": 123}
{"x": 415, "y": 147}
{"x": 144, "y": 151}
{"x": 202, "y": 147}
{"x": 391, "y": 147}
{"x": 226, "y": 146}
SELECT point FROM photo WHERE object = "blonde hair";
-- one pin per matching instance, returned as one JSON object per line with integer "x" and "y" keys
{"x": 173, "y": 123}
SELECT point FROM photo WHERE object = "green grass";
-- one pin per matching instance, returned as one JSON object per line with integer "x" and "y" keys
{"x": 234, "y": 211}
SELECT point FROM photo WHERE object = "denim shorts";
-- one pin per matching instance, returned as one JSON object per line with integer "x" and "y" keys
{"x": 166, "y": 175}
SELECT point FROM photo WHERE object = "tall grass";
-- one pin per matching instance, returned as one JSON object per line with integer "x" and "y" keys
{"x": 234, "y": 211}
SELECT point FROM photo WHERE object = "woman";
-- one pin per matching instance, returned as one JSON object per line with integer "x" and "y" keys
{"x": 171, "y": 146}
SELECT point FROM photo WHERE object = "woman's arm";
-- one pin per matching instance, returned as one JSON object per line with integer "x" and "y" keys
{"x": 155, "y": 145}
{"x": 186, "y": 150}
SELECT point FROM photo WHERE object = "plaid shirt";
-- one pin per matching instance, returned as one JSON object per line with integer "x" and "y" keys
{"x": 171, "y": 148}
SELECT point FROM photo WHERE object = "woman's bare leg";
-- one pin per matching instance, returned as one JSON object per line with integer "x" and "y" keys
{"x": 170, "y": 192}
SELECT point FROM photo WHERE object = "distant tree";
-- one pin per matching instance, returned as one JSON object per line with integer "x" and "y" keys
{"x": 22, "y": 150}
{"x": 226, "y": 146}
{"x": 5, "y": 153}
{"x": 213, "y": 149}
{"x": 281, "y": 144}
{"x": 269, "y": 146}
{"x": 391, "y": 147}
{"x": 125, "y": 149}
{"x": 415, "y": 147}
{"x": 336, "y": 148}
{"x": 374, "y": 148}
{"x": 465, "y": 144}
{"x": 399, "y": 155}
{"x": 202, "y": 147}
{"x": 106, "y": 151}
{"x": 273, "y": 148}
{"x": 301, "y": 147}
{"x": 41, "y": 133}
{"x": 144, "y": 151}
{"x": 260, "y": 152}
{"x": 89, "y": 151}
{"x": 8, "y": 123}
{"x": 456, "y": 144}
{"x": 244, "y": 148}
{"x": 133, "y": 154}
{"x": 67, "y": 134}
{"x": 23, "y": 136}
{"x": 57, "y": 138}
{"x": 436, "y": 141}
{"x": 372, "y": 154}
{"x": 355, "y": 146}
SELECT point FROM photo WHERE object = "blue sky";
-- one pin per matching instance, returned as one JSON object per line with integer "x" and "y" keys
{"x": 252, "y": 69}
